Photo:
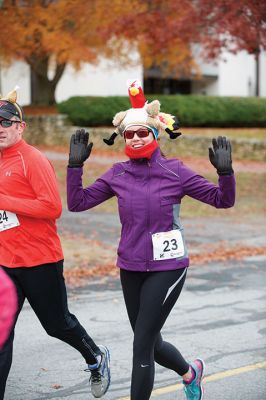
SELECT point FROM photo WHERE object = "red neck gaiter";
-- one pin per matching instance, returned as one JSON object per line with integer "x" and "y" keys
{"x": 143, "y": 152}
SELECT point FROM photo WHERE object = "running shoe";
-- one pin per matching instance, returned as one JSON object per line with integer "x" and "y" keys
{"x": 194, "y": 390}
{"x": 100, "y": 375}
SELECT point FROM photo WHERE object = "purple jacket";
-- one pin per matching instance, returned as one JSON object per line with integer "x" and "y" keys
{"x": 149, "y": 195}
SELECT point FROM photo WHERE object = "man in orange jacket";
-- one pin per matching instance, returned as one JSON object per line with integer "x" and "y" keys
{"x": 30, "y": 248}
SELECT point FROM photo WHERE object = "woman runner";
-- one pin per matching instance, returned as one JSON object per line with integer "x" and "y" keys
{"x": 152, "y": 254}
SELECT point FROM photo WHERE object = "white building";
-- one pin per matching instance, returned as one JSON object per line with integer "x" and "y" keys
{"x": 234, "y": 77}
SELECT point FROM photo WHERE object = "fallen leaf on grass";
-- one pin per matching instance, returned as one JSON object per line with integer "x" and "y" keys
{"x": 223, "y": 254}
{"x": 56, "y": 386}
{"x": 78, "y": 276}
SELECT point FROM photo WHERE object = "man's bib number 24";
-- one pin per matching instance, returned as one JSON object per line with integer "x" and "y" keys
{"x": 167, "y": 245}
{"x": 8, "y": 220}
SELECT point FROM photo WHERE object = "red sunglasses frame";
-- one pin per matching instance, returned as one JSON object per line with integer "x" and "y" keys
{"x": 141, "y": 133}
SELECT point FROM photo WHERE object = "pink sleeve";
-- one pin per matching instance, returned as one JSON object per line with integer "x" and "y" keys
{"x": 8, "y": 306}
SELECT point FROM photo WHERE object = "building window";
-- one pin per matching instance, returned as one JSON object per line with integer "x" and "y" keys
{"x": 166, "y": 86}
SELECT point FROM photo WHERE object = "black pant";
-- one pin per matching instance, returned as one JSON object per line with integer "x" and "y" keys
{"x": 149, "y": 298}
{"x": 44, "y": 287}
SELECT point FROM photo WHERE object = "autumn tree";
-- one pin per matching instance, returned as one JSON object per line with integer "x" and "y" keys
{"x": 52, "y": 33}
{"x": 162, "y": 32}
{"x": 165, "y": 30}
{"x": 58, "y": 32}
{"x": 234, "y": 26}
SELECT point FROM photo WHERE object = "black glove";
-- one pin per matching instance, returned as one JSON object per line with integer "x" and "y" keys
{"x": 220, "y": 156}
{"x": 79, "y": 148}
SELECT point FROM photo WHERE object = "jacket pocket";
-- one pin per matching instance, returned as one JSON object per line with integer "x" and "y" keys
{"x": 167, "y": 206}
{"x": 121, "y": 209}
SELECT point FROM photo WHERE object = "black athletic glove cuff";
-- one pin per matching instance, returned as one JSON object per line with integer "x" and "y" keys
{"x": 225, "y": 173}
{"x": 75, "y": 165}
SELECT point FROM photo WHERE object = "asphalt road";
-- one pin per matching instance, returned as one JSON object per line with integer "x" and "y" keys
{"x": 220, "y": 316}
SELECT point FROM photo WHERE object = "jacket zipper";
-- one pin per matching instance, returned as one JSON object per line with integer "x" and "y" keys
{"x": 148, "y": 217}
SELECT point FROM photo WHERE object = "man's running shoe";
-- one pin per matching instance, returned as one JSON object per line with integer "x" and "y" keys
{"x": 100, "y": 375}
{"x": 194, "y": 390}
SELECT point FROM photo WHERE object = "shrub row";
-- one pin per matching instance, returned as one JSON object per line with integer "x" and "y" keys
{"x": 192, "y": 111}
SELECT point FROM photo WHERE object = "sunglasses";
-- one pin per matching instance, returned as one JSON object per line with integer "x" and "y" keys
{"x": 141, "y": 133}
{"x": 6, "y": 123}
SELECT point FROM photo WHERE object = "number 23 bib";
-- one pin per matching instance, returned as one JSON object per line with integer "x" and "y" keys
{"x": 167, "y": 245}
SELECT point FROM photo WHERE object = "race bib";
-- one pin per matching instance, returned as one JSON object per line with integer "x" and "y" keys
{"x": 168, "y": 245}
{"x": 8, "y": 220}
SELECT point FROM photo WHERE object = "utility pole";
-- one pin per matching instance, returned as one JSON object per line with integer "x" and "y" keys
{"x": 257, "y": 73}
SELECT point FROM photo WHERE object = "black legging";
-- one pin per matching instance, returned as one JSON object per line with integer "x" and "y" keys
{"x": 149, "y": 298}
{"x": 45, "y": 289}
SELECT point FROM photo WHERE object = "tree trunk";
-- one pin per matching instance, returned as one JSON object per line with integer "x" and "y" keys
{"x": 42, "y": 92}
{"x": 42, "y": 88}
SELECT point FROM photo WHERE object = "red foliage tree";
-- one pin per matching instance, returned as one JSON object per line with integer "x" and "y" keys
{"x": 234, "y": 26}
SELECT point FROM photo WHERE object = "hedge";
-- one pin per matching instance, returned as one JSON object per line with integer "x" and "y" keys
{"x": 192, "y": 111}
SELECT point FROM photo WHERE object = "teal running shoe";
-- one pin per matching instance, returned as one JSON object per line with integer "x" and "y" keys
{"x": 194, "y": 390}
{"x": 100, "y": 375}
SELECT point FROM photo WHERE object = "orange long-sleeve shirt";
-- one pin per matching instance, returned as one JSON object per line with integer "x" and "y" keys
{"x": 28, "y": 188}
